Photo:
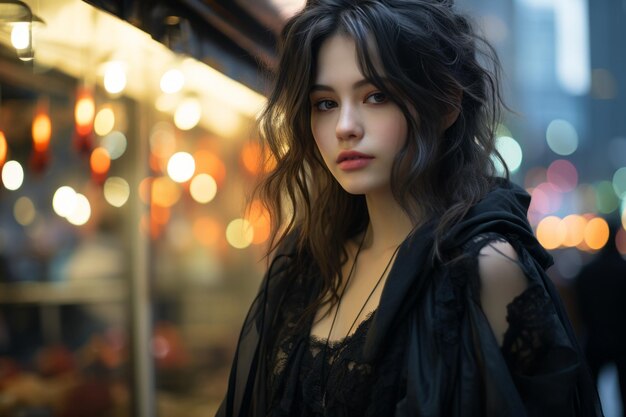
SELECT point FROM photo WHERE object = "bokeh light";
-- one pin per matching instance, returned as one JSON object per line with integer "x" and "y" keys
{"x": 115, "y": 143}
{"x": 163, "y": 140}
{"x": 619, "y": 182}
{"x": 172, "y": 81}
{"x": 511, "y": 151}
{"x": 41, "y": 131}
{"x": 259, "y": 218}
{"x": 12, "y": 175}
{"x": 165, "y": 192}
{"x": 116, "y": 191}
{"x": 104, "y": 121}
{"x": 545, "y": 199}
{"x": 535, "y": 176}
{"x": 181, "y": 167}
{"x": 64, "y": 201}
{"x": 188, "y": 113}
{"x": 207, "y": 231}
{"x": 203, "y": 188}
{"x": 160, "y": 215}
{"x": 209, "y": 163}
{"x": 239, "y": 233}
{"x": 575, "y": 230}
{"x": 596, "y": 233}
{"x": 551, "y": 232}
{"x": 115, "y": 77}
{"x": 81, "y": 212}
{"x": 4, "y": 148}
{"x": 563, "y": 175}
{"x": 84, "y": 111}
{"x": 100, "y": 161}
{"x": 606, "y": 199}
{"x": 562, "y": 137}
{"x": 24, "y": 211}
{"x": 20, "y": 35}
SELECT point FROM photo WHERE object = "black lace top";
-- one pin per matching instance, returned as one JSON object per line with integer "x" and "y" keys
{"x": 429, "y": 349}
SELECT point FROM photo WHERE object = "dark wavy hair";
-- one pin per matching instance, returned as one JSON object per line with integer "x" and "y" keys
{"x": 426, "y": 58}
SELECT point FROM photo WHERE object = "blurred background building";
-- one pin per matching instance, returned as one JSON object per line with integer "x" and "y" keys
{"x": 128, "y": 251}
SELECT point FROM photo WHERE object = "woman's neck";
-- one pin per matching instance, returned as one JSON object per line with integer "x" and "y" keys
{"x": 389, "y": 223}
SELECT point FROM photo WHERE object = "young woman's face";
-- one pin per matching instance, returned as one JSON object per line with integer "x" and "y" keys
{"x": 357, "y": 129}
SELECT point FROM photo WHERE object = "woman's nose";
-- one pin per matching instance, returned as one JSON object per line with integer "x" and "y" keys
{"x": 349, "y": 124}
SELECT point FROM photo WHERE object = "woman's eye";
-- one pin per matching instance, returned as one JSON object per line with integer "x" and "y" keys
{"x": 324, "y": 105}
{"x": 377, "y": 98}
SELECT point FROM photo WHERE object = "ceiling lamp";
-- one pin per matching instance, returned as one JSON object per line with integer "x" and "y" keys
{"x": 19, "y": 15}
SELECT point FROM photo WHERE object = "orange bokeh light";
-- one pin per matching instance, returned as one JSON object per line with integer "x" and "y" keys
{"x": 207, "y": 231}
{"x": 84, "y": 112}
{"x": 207, "y": 162}
{"x": 42, "y": 131}
{"x": 160, "y": 215}
{"x": 165, "y": 192}
{"x": 575, "y": 228}
{"x": 4, "y": 148}
{"x": 100, "y": 161}
{"x": 551, "y": 232}
{"x": 596, "y": 233}
{"x": 258, "y": 216}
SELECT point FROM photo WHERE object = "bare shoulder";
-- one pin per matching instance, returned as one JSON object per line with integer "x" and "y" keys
{"x": 502, "y": 279}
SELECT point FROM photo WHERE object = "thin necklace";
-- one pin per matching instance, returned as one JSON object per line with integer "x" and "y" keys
{"x": 332, "y": 324}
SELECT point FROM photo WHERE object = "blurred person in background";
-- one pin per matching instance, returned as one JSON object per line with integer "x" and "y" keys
{"x": 601, "y": 297}
{"x": 405, "y": 278}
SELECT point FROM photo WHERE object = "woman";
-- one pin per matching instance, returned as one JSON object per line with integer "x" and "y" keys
{"x": 405, "y": 278}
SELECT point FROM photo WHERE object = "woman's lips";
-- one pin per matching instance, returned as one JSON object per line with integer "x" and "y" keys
{"x": 352, "y": 160}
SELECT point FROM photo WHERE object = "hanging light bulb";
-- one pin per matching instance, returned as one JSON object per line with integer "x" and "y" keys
{"x": 4, "y": 148}
{"x": 84, "y": 114}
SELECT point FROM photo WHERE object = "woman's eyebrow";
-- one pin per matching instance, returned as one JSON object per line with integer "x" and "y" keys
{"x": 322, "y": 87}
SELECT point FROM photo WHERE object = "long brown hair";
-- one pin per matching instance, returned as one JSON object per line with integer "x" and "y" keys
{"x": 428, "y": 60}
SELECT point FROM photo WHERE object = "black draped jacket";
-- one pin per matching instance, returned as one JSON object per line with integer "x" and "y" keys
{"x": 451, "y": 363}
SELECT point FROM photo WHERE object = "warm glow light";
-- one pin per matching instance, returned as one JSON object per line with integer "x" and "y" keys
{"x": 172, "y": 81}
{"x": 260, "y": 220}
{"x": 596, "y": 233}
{"x": 12, "y": 175}
{"x": 188, "y": 114}
{"x": 545, "y": 199}
{"x": 100, "y": 161}
{"x": 82, "y": 211}
{"x": 104, "y": 122}
{"x": 239, "y": 233}
{"x": 203, "y": 188}
{"x": 42, "y": 130}
{"x": 116, "y": 191}
{"x": 575, "y": 227}
{"x": 115, "y": 77}
{"x": 64, "y": 201}
{"x": 162, "y": 140}
{"x": 181, "y": 166}
{"x": 207, "y": 231}
{"x": 84, "y": 111}
{"x": 20, "y": 35}
{"x": 24, "y": 211}
{"x": 115, "y": 143}
{"x": 165, "y": 192}
{"x": 4, "y": 148}
{"x": 209, "y": 163}
{"x": 145, "y": 190}
{"x": 251, "y": 158}
{"x": 551, "y": 232}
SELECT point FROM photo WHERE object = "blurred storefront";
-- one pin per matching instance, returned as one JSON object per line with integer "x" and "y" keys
{"x": 128, "y": 251}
